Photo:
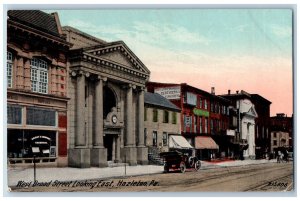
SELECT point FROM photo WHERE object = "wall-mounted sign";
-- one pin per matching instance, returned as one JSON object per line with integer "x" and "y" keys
{"x": 187, "y": 121}
{"x": 170, "y": 93}
{"x": 230, "y": 132}
{"x": 191, "y": 99}
{"x": 199, "y": 112}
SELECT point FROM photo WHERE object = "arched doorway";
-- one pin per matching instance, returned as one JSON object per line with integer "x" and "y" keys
{"x": 109, "y": 101}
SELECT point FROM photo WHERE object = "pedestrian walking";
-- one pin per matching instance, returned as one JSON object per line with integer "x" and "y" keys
{"x": 278, "y": 156}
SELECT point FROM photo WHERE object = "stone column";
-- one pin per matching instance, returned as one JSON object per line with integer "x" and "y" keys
{"x": 141, "y": 118}
{"x": 99, "y": 153}
{"x": 118, "y": 148}
{"x": 80, "y": 106}
{"x": 114, "y": 149}
{"x": 129, "y": 151}
{"x": 80, "y": 155}
{"x": 142, "y": 151}
{"x": 98, "y": 134}
{"x": 129, "y": 118}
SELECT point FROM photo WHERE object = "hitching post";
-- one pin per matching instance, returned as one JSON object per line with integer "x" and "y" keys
{"x": 125, "y": 164}
{"x": 34, "y": 169}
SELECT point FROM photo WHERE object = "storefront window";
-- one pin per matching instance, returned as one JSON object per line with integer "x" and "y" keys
{"x": 14, "y": 114}
{"x": 40, "y": 116}
{"x": 23, "y": 143}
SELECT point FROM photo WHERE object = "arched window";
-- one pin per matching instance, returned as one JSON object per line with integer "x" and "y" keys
{"x": 9, "y": 67}
{"x": 39, "y": 75}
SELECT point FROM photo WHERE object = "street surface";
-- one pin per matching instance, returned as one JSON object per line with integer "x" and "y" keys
{"x": 272, "y": 177}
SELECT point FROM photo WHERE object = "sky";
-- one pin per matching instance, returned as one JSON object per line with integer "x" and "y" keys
{"x": 236, "y": 49}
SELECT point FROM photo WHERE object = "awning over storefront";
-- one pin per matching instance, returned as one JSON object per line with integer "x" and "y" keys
{"x": 205, "y": 142}
{"x": 179, "y": 142}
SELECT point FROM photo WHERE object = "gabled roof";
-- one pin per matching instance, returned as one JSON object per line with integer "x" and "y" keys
{"x": 260, "y": 98}
{"x": 37, "y": 19}
{"x": 155, "y": 99}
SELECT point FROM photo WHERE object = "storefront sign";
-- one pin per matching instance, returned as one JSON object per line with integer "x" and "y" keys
{"x": 187, "y": 121}
{"x": 230, "y": 132}
{"x": 41, "y": 136}
{"x": 170, "y": 93}
{"x": 199, "y": 112}
{"x": 191, "y": 99}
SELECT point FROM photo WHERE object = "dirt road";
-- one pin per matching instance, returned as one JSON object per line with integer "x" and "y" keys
{"x": 262, "y": 177}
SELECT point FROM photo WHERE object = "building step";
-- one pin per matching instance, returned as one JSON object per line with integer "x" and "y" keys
{"x": 113, "y": 164}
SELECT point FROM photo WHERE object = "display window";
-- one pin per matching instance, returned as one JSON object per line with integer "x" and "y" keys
{"x": 30, "y": 143}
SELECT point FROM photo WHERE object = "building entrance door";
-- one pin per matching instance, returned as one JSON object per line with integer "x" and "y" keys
{"x": 108, "y": 144}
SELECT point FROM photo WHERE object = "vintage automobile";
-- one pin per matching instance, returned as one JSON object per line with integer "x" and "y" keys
{"x": 176, "y": 160}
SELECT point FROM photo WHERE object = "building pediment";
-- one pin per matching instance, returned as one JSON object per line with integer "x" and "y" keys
{"x": 252, "y": 112}
{"x": 118, "y": 52}
{"x": 114, "y": 59}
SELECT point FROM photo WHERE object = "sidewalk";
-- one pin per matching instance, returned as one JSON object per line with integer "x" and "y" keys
{"x": 71, "y": 174}
{"x": 207, "y": 165}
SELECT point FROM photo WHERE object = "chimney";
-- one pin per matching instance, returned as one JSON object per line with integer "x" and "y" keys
{"x": 213, "y": 90}
{"x": 228, "y": 91}
{"x": 237, "y": 92}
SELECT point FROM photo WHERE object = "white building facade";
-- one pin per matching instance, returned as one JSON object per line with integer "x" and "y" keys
{"x": 247, "y": 115}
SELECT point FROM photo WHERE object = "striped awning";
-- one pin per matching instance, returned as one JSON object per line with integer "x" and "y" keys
{"x": 179, "y": 142}
{"x": 205, "y": 142}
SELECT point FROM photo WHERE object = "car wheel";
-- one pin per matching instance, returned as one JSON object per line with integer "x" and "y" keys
{"x": 182, "y": 167}
{"x": 166, "y": 169}
{"x": 197, "y": 165}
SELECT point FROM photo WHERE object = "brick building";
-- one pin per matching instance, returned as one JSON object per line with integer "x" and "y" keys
{"x": 282, "y": 123}
{"x": 36, "y": 88}
{"x": 204, "y": 117}
{"x": 262, "y": 125}
{"x": 279, "y": 139}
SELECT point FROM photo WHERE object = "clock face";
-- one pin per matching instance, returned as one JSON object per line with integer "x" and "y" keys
{"x": 114, "y": 119}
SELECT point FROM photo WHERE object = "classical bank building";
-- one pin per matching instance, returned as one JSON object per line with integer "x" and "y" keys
{"x": 106, "y": 108}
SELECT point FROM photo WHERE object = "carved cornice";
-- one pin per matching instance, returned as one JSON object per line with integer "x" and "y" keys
{"x": 108, "y": 69}
{"x": 40, "y": 34}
